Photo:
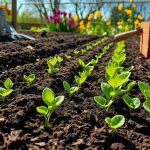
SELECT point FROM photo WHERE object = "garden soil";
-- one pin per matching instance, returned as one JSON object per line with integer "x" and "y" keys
{"x": 79, "y": 123}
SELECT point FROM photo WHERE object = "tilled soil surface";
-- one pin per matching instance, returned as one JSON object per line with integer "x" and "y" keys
{"x": 79, "y": 122}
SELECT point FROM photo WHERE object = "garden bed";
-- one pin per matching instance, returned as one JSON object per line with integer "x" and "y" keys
{"x": 79, "y": 122}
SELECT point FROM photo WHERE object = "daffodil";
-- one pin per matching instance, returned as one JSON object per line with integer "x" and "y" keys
{"x": 137, "y": 22}
{"x": 140, "y": 17}
{"x": 108, "y": 23}
{"x": 128, "y": 12}
{"x": 126, "y": 27}
{"x": 75, "y": 18}
{"x": 90, "y": 17}
{"x": 98, "y": 14}
{"x": 81, "y": 22}
{"x": 119, "y": 23}
{"x": 88, "y": 24}
{"x": 120, "y": 6}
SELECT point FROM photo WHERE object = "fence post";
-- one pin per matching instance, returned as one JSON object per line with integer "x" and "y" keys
{"x": 14, "y": 13}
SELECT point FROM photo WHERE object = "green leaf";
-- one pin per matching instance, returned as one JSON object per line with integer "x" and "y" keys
{"x": 102, "y": 101}
{"x": 108, "y": 120}
{"x": 52, "y": 61}
{"x": 81, "y": 63}
{"x": 115, "y": 122}
{"x": 73, "y": 89}
{"x": 6, "y": 92}
{"x": 66, "y": 86}
{"x": 59, "y": 100}
{"x": 146, "y": 106}
{"x": 106, "y": 89}
{"x": 48, "y": 96}
{"x": 132, "y": 103}
{"x": 42, "y": 110}
{"x": 130, "y": 86}
{"x": 8, "y": 83}
{"x": 59, "y": 59}
{"x": 143, "y": 87}
{"x": 147, "y": 95}
{"x": 30, "y": 78}
{"x": 119, "y": 80}
{"x": 2, "y": 90}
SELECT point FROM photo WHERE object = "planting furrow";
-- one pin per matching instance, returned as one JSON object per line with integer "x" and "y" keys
{"x": 41, "y": 73}
{"x": 73, "y": 122}
{"x": 10, "y": 61}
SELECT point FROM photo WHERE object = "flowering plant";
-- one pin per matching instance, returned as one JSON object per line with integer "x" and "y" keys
{"x": 3, "y": 6}
{"x": 61, "y": 21}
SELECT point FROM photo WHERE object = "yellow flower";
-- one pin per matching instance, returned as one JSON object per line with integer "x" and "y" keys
{"x": 131, "y": 1}
{"x": 140, "y": 17}
{"x": 120, "y": 6}
{"x": 81, "y": 22}
{"x": 90, "y": 17}
{"x": 75, "y": 18}
{"x": 82, "y": 27}
{"x": 126, "y": 27}
{"x": 108, "y": 23}
{"x": 98, "y": 14}
{"x": 88, "y": 24}
{"x": 137, "y": 23}
{"x": 128, "y": 12}
{"x": 119, "y": 23}
{"x": 9, "y": 12}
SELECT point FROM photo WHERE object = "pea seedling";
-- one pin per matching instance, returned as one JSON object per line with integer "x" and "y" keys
{"x": 132, "y": 103}
{"x": 52, "y": 103}
{"x": 145, "y": 89}
{"x": 115, "y": 122}
{"x": 70, "y": 90}
{"x": 4, "y": 92}
{"x": 29, "y": 79}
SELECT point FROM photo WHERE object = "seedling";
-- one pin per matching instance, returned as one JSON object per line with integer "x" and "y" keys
{"x": 8, "y": 84}
{"x": 70, "y": 90}
{"x": 29, "y": 79}
{"x": 132, "y": 103}
{"x": 80, "y": 80}
{"x": 83, "y": 51}
{"x": 59, "y": 59}
{"x": 52, "y": 61}
{"x": 52, "y": 103}
{"x": 67, "y": 56}
{"x": 145, "y": 89}
{"x": 115, "y": 122}
{"x": 51, "y": 65}
{"x": 52, "y": 70}
{"x": 76, "y": 52}
{"x": 4, "y": 92}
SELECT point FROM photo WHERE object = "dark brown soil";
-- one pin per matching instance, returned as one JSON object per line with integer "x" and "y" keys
{"x": 79, "y": 122}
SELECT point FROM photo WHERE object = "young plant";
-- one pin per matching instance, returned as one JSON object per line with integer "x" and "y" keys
{"x": 67, "y": 56}
{"x": 8, "y": 84}
{"x": 132, "y": 103}
{"x": 70, "y": 90}
{"x": 52, "y": 103}
{"x": 29, "y": 79}
{"x": 145, "y": 89}
{"x": 4, "y": 92}
{"x": 80, "y": 80}
{"x": 83, "y": 51}
{"x": 59, "y": 59}
{"x": 115, "y": 122}
{"x": 76, "y": 52}
{"x": 51, "y": 66}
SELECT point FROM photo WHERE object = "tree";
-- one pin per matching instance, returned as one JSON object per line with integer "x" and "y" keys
{"x": 83, "y": 8}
